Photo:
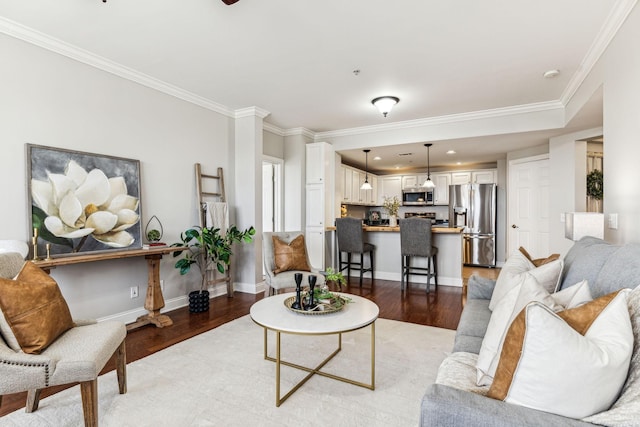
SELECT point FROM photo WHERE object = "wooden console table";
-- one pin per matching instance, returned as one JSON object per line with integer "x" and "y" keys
{"x": 154, "y": 300}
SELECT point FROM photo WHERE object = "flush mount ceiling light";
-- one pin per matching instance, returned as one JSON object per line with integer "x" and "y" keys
{"x": 385, "y": 103}
{"x": 551, "y": 74}
{"x": 428, "y": 183}
{"x": 366, "y": 185}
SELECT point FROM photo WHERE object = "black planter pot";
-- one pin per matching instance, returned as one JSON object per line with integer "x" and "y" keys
{"x": 198, "y": 301}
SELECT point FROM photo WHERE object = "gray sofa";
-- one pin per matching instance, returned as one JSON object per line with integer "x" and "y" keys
{"x": 606, "y": 267}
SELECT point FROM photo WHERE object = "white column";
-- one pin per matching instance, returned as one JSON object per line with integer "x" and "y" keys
{"x": 247, "y": 161}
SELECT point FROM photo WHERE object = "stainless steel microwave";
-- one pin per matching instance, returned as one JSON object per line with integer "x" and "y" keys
{"x": 417, "y": 196}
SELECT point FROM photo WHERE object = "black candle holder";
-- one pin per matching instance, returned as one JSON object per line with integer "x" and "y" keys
{"x": 297, "y": 304}
{"x": 311, "y": 304}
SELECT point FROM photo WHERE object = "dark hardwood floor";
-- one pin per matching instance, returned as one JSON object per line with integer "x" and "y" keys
{"x": 441, "y": 308}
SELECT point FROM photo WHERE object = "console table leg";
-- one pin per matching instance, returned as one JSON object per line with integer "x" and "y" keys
{"x": 154, "y": 300}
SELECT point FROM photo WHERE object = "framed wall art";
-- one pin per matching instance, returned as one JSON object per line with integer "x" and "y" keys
{"x": 82, "y": 202}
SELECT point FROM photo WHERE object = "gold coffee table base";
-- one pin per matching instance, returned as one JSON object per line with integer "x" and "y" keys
{"x": 317, "y": 370}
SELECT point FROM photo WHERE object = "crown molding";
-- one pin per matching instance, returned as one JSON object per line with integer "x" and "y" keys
{"x": 273, "y": 129}
{"x": 452, "y": 118}
{"x": 612, "y": 24}
{"x": 251, "y": 112}
{"x": 300, "y": 131}
{"x": 44, "y": 41}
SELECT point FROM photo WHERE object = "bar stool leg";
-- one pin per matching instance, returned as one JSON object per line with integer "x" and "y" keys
{"x": 372, "y": 266}
{"x": 428, "y": 273}
{"x": 402, "y": 273}
{"x": 435, "y": 271}
{"x": 361, "y": 267}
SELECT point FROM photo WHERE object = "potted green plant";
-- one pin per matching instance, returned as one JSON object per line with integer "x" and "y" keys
{"x": 207, "y": 247}
{"x": 333, "y": 277}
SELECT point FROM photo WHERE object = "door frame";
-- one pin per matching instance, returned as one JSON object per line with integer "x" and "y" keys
{"x": 511, "y": 196}
{"x": 278, "y": 190}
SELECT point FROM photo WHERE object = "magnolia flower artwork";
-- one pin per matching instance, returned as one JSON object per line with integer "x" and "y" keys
{"x": 83, "y": 202}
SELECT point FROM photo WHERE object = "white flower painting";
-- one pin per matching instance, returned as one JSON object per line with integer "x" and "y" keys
{"x": 84, "y": 202}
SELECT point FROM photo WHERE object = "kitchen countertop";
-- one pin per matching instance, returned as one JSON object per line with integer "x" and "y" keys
{"x": 386, "y": 228}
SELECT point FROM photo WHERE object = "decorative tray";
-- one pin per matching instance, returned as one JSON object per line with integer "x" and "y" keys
{"x": 324, "y": 306}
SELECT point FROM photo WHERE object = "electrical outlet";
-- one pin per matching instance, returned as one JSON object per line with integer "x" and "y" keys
{"x": 134, "y": 292}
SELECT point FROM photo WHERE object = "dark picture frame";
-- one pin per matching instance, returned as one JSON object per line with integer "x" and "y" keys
{"x": 81, "y": 202}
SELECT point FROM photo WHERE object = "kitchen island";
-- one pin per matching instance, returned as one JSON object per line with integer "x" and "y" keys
{"x": 387, "y": 257}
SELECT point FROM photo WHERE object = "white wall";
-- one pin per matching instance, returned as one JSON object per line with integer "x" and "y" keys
{"x": 622, "y": 131}
{"x": 273, "y": 145}
{"x": 51, "y": 100}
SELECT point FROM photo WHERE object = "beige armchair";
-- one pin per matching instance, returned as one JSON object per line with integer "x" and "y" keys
{"x": 78, "y": 355}
{"x": 285, "y": 279}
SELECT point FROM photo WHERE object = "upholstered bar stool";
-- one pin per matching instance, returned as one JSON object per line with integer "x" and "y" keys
{"x": 351, "y": 241}
{"x": 416, "y": 241}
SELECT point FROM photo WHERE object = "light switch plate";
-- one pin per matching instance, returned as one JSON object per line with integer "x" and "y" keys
{"x": 613, "y": 221}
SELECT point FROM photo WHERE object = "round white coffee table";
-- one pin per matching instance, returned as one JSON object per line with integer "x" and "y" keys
{"x": 271, "y": 314}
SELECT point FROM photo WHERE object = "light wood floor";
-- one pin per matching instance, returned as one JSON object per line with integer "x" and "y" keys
{"x": 440, "y": 308}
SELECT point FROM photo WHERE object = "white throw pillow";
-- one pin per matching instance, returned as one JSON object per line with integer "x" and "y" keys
{"x": 528, "y": 290}
{"x": 548, "y": 275}
{"x": 626, "y": 410}
{"x": 573, "y": 363}
{"x": 516, "y": 264}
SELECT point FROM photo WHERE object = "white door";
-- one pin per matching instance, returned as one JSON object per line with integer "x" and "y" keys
{"x": 528, "y": 206}
{"x": 272, "y": 213}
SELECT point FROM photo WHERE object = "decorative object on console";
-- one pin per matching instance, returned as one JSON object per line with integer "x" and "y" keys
{"x": 207, "y": 247}
{"x": 83, "y": 202}
{"x": 385, "y": 103}
{"x": 154, "y": 234}
{"x": 580, "y": 224}
{"x": 428, "y": 183}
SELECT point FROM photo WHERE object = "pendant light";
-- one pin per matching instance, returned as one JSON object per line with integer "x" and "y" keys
{"x": 366, "y": 185}
{"x": 428, "y": 183}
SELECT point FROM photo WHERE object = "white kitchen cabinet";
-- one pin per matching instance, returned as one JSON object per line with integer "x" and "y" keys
{"x": 460, "y": 178}
{"x": 372, "y": 195}
{"x": 347, "y": 196}
{"x": 316, "y": 159}
{"x": 315, "y": 239}
{"x": 441, "y": 191}
{"x": 479, "y": 176}
{"x": 356, "y": 196}
{"x": 315, "y": 205}
{"x": 409, "y": 181}
{"x": 389, "y": 186}
{"x": 320, "y": 209}
{"x": 487, "y": 176}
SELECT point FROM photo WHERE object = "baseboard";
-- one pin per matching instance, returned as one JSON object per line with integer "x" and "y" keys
{"x": 131, "y": 316}
{"x": 442, "y": 280}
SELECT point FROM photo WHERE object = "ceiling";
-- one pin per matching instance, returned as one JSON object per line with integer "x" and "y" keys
{"x": 296, "y": 59}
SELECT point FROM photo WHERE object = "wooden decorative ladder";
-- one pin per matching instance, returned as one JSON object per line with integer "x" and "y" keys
{"x": 203, "y": 196}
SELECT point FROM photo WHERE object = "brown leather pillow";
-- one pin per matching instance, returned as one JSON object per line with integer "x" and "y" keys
{"x": 539, "y": 261}
{"x": 292, "y": 256}
{"x": 34, "y": 308}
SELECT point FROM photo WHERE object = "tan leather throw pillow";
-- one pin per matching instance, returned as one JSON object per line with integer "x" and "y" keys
{"x": 539, "y": 261}
{"x": 34, "y": 308}
{"x": 292, "y": 256}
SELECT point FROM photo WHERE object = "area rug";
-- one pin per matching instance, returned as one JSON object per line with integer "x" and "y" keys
{"x": 220, "y": 378}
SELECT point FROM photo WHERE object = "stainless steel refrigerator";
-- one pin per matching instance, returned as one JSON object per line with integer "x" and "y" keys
{"x": 473, "y": 206}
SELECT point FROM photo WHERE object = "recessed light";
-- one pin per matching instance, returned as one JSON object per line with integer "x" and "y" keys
{"x": 451, "y": 152}
{"x": 458, "y": 163}
{"x": 377, "y": 158}
{"x": 551, "y": 74}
